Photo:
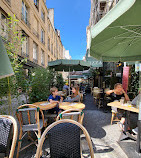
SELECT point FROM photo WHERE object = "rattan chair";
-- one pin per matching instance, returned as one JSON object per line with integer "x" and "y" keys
{"x": 64, "y": 139}
{"x": 28, "y": 117}
{"x": 74, "y": 114}
{"x": 8, "y": 132}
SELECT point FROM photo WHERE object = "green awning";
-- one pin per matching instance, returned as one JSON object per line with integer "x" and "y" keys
{"x": 69, "y": 65}
{"x": 76, "y": 76}
{"x": 5, "y": 65}
{"x": 117, "y": 36}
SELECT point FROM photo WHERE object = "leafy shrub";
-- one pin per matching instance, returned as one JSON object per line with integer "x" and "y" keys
{"x": 59, "y": 82}
{"x": 41, "y": 82}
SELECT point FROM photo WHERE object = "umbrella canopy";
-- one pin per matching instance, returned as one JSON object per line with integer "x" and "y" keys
{"x": 69, "y": 65}
{"x": 117, "y": 36}
{"x": 76, "y": 76}
{"x": 5, "y": 65}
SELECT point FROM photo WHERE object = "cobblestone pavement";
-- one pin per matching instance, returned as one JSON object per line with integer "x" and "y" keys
{"x": 104, "y": 135}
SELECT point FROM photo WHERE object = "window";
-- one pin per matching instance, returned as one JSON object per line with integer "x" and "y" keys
{"x": 52, "y": 34}
{"x": 25, "y": 13}
{"x": 56, "y": 44}
{"x": 35, "y": 27}
{"x": 43, "y": 15}
{"x": 3, "y": 26}
{"x": 48, "y": 43}
{"x": 54, "y": 52}
{"x": 25, "y": 45}
{"x": 48, "y": 27}
{"x": 36, "y": 3}
{"x": 48, "y": 58}
{"x": 52, "y": 48}
{"x": 35, "y": 52}
{"x": 42, "y": 57}
{"x": 42, "y": 36}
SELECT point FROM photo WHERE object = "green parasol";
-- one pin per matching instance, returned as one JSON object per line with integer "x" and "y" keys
{"x": 69, "y": 65}
{"x": 117, "y": 36}
{"x": 5, "y": 65}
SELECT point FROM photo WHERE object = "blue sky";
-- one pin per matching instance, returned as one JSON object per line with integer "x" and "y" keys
{"x": 71, "y": 17}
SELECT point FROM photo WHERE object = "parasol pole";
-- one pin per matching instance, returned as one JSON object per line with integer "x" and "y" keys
{"x": 69, "y": 80}
{"x": 139, "y": 116}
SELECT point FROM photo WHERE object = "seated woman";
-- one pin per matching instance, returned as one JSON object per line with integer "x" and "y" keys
{"x": 54, "y": 98}
{"x": 75, "y": 97}
{"x": 116, "y": 94}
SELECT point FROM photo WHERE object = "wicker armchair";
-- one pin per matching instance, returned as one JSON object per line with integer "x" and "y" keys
{"x": 28, "y": 117}
{"x": 8, "y": 126}
{"x": 74, "y": 114}
{"x": 64, "y": 139}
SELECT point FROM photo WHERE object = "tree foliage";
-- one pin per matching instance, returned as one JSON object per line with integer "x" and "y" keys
{"x": 59, "y": 81}
{"x": 41, "y": 82}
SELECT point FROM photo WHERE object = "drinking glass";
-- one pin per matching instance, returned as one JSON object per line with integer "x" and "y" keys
{"x": 122, "y": 100}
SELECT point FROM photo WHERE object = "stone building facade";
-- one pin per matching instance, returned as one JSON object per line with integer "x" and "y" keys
{"x": 42, "y": 41}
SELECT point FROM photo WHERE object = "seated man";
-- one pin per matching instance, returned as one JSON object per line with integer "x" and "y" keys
{"x": 54, "y": 98}
{"x": 116, "y": 94}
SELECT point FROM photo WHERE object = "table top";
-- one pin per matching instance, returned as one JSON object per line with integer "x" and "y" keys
{"x": 117, "y": 104}
{"x": 45, "y": 105}
{"x": 74, "y": 105}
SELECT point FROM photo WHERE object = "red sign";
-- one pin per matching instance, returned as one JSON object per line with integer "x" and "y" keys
{"x": 125, "y": 78}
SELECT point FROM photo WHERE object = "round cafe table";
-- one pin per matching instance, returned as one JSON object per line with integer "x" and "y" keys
{"x": 74, "y": 105}
{"x": 45, "y": 105}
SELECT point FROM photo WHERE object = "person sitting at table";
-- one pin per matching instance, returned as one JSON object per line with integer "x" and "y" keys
{"x": 66, "y": 88}
{"x": 75, "y": 96}
{"x": 116, "y": 94}
{"x": 54, "y": 98}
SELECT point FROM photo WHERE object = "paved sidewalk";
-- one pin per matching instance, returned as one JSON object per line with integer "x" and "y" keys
{"x": 103, "y": 134}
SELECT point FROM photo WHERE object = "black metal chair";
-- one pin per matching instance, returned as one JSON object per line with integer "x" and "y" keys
{"x": 64, "y": 139}
{"x": 8, "y": 136}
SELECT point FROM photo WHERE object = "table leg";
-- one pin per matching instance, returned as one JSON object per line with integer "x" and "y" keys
{"x": 138, "y": 149}
{"x": 125, "y": 134}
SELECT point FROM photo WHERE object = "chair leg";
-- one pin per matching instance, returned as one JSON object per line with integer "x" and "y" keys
{"x": 39, "y": 135}
{"x": 19, "y": 143}
{"x": 112, "y": 118}
{"x": 29, "y": 134}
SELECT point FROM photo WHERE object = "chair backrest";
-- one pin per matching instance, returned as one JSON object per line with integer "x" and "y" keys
{"x": 28, "y": 114}
{"x": 64, "y": 139}
{"x": 8, "y": 126}
{"x": 81, "y": 97}
{"x": 74, "y": 114}
{"x": 96, "y": 91}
